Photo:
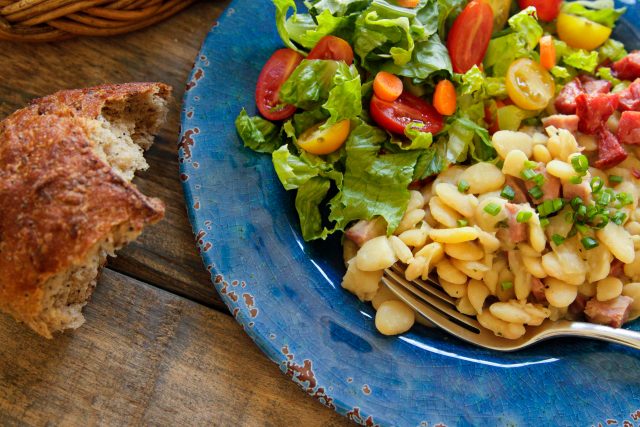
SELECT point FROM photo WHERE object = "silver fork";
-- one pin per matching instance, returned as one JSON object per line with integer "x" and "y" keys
{"x": 427, "y": 298}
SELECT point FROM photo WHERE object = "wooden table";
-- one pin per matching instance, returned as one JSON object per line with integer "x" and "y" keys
{"x": 159, "y": 347}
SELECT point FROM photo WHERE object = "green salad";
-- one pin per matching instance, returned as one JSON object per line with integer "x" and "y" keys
{"x": 371, "y": 96}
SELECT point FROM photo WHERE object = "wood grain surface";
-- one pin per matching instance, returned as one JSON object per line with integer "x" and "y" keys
{"x": 146, "y": 357}
{"x": 158, "y": 347}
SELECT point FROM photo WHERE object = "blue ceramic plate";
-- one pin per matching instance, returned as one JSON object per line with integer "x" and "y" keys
{"x": 286, "y": 292}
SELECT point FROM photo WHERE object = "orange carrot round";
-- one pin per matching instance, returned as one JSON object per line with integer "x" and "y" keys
{"x": 444, "y": 98}
{"x": 547, "y": 52}
{"x": 387, "y": 87}
{"x": 408, "y": 3}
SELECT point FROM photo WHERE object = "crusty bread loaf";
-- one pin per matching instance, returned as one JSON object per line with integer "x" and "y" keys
{"x": 66, "y": 200}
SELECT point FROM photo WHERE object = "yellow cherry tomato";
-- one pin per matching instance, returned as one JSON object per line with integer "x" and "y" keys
{"x": 501, "y": 10}
{"x": 580, "y": 33}
{"x": 529, "y": 85}
{"x": 324, "y": 141}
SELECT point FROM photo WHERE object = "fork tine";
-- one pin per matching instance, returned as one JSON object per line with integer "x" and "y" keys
{"x": 446, "y": 307}
{"x": 433, "y": 290}
{"x": 433, "y": 315}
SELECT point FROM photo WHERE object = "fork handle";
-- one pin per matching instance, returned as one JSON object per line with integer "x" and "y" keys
{"x": 598, "y": 332}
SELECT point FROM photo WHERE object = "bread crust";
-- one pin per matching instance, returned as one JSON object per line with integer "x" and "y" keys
{"x": 57, "y": 198}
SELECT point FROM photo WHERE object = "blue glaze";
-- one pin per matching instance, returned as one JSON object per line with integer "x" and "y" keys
{"x": 286, "y": 293}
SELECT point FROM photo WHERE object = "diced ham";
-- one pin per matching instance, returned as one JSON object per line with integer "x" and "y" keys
{"x": 550, "y": 188}
{"x": 517, "y": 231}
{"x": 629, "y": 99}
{"x": 594, "y": 110}
{"x": 582, "y": 190}
{"x": 610, "y": 152}
{"x": 518, "y": 187}
{"x": 617, "y": 268}
{"x": 578, "y": 305}
{"x": 612, "y": 313}
{"x": 629, "y": 128}
{"x": 593, "y": 86}
{"x": 363, "y": 231}
{"x": 628, "y": 68}
{"x": 537, "y": 290}
{"x": 565, "y": 102}
{"x": 562, "y": 121}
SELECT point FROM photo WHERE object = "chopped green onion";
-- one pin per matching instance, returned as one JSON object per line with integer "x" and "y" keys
{"x": 582, "y": 211}
{"x": 589, "y": 242}
{"x": 617, "y": 179}
{"x": 463, "y": 186}
{"x": 506, "y": 285}
{"x": 572, "y": 232}
{"x": 524, "y": 216}
{"x": 530, "y": 164}
{"x": 596, "y": 184}
{"x": 580, "y": 163}
{"x": 463, "y": 223}
{"x": 575, "y": 203}
{"x": 528, "y": 174}
{"x": 538, "y": 179}
{"x": 600, "y": 221}
{"x": 557, "y": 239}
{"x": 604, "y": 198}
{"x": 591, "y": 211}
{"x": 508, "y": 193}
{"x": 625, "y": 198}
{"x": 536, "y": 192}
{"x": 544, "y": 222}
{"x": 492, "y": 209}
{"x": 575, "y": 179}
{"x": 583, "y": 229}
{"x": 618, "y": 217}
{"x": 550, "y": 206}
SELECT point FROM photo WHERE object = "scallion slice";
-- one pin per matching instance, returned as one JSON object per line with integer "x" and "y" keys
{"x": 492, "y": 209}
{"x": 508, "y": 193}
{"x": 589, "y": 242}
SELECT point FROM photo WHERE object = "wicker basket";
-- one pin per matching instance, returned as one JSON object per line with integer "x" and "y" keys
{"x": 53, "y": 20}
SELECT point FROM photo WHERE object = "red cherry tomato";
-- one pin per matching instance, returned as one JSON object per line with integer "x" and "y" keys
{"x": 548, "y": 10}
{"x": 273, "y": 75}
{"x": 332, "y": 47}
{"x": 396, "y": 115}
{"x": 470, "y": 35}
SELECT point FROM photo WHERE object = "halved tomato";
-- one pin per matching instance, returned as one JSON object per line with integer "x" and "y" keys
{"x": 470, "y": 35}
{"x": 396, "y": 115}
{"x": 273, "y": 75}
{"x": 581, "y": 33}
{"x": 547, "y": 10}
{"x": 529, "y": 85}
{"x": 332, "y": 47}
{"x": 324, "y": 141}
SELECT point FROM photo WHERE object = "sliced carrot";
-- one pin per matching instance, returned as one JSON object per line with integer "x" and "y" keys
{"x": 444, "y": 98}
{"x": 547, "y": 52}
{"x": 408, "y": 3}
{"x": 387, "y": 87}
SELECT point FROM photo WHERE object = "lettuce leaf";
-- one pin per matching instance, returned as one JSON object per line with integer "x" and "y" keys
{"x": 308, "y": 200}
{"x": 430, "y": 59}
{"x": 582, "y": 60}
{"x": 503, "y": 50}
{"x": 374, "y": 184}
{"x": 611, "y": 49}
{"x": 345, "y": 98}
{"x": 309, "y": 84}
{"x": 282, "y": 7}
{"x": 257, "y": 133}
{"x": 600, "y": 11}
{"x": 303, "y": 29}
{"x": 336, "y": 7}
{"x": 294, "y": 170}
{"x": 511, "y": 117}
